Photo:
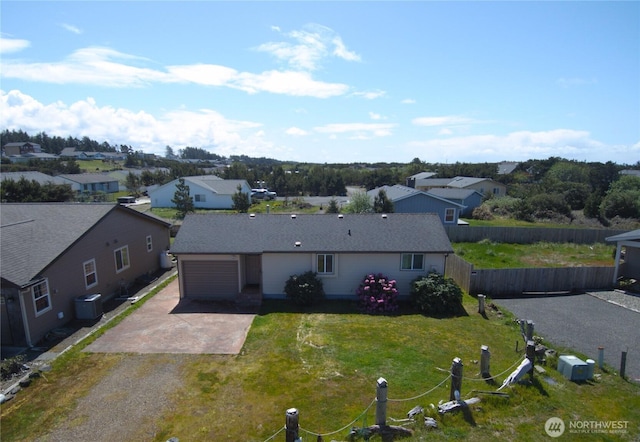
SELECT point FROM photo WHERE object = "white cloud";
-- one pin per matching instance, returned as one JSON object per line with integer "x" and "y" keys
{"x": 310, "y": 46}
{"x": 71, "y": 28}
{"x": 450, "y": 120}
{"x": 375, "y": 116}
{"x": 575, "y": 81}
{"x": 296, "y": 131}
{"x": 203, "y": 128}
{"x": 361, "y": 130}
{"x": 9, "y": 45}
{"x": 370, "y": 95}
{"x": 519, "y": 146}
{"x": 110, "y": 68}
{"x": 408, "y": 101}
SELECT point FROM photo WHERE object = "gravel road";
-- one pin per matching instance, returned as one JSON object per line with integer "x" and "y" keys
{"x": 584, "y": 322}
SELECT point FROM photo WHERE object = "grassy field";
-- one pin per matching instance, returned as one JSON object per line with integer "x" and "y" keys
{"x": 326, "y": 362}
{"x": 490, "y": 255}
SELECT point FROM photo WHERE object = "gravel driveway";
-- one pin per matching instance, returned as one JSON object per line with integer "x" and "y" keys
{"x": 586, "y": 321}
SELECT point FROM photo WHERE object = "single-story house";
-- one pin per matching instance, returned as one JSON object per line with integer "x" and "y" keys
{"x": 91, "y": 182}
{"x": 627, "y": 264}
{"x": 220, "y": 256}
{"x": 482, "y": 185}
{"x": 408, "y": 200}
{"x": 469, "y": 198}
{"x": 29, "y": 156}
{"x": 415, "y": 181}
{"x": 207, "y": 192}
{"x": 53, "y": 253}
{"x": 38, "y": 177}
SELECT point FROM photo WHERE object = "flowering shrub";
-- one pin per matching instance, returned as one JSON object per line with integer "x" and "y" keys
{"x": 378, "y": 294}
{"x": 304, "y": 289}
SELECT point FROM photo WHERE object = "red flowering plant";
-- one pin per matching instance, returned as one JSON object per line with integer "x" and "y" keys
{"x": 378, "y": 294}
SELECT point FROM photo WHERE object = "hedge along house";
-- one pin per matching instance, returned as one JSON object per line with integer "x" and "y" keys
{"x": 221, "y": 255}
{"x": 53, "y": 253}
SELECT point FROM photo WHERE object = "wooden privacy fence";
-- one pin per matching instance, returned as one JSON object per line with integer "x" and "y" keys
{"x": 528, "y": 235}
{"x": 509, "y": 282}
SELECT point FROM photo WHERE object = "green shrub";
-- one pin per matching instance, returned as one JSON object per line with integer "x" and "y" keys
{"x": 436, "y": 295}
{"x": 304, "y": 289}
{"x": 11, "y": 366}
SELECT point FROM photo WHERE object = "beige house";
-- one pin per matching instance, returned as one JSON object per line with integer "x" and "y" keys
{"x": 55, "y": 254}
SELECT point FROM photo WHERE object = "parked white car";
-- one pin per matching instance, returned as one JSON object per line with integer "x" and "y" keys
{"x": 263, "y": 194}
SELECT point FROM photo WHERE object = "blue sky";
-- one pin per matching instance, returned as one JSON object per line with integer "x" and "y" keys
{"x": 330, "y": 81}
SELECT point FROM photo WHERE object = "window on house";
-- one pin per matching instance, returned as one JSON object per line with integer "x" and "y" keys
{"x": 149, "y": 243}
{"x": 90, "y": 273}
{"x": 449, "y": 215}
{"x": 324, "y": 264}
{"x": 412, "y": 261}
{"x": 201, "y": 197}
{"x": 496, "y": 191}
{"x": 41, "y": 299}
{"x": 122, "y": 258}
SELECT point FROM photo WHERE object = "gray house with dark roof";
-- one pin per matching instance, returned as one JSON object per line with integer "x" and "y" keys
{"x": 220, "y": 256}
{"x": 52, "y": 253}
{"x": 468, "y": 198}
{"x": 207, "y": 192}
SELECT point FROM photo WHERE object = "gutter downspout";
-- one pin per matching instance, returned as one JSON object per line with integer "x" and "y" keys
{"x": 25, "y": 323}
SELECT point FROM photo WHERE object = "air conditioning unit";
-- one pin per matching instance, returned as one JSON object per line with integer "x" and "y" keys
{"x": 574, "y": 368}
{"x": 89, "y": 306}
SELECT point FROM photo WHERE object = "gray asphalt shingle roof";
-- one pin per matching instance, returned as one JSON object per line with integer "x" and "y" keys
{"x": 32, "y": 235}
{"x": 362, "y": 233}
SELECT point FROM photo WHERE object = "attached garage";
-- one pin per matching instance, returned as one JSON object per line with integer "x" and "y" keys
{"x": 211, "y": 280}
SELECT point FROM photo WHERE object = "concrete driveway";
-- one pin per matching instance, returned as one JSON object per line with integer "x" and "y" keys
{"x": 166, "y": 325}
{"x": 584, "y": 322}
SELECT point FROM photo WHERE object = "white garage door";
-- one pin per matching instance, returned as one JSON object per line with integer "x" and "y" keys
{"x": 210, "y": 279}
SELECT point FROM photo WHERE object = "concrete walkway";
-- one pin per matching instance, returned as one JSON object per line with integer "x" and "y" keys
{"x": 166, "y": 325}
{"x": 584, "y": 322}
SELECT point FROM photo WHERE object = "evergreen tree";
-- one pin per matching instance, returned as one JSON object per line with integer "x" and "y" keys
{"x": 241, "y": 201}
{"x": 182, "y": 199}
{"x": 381, "y": 203}
{"x": 332, "y": 207}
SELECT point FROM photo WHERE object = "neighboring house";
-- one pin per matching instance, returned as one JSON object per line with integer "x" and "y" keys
{"x": 468, "y": 198}
{"x": 207, "y": 192}
{"x": 26, "y": 157}
{"x": 221, "y": 255}
{"x": 53, "y": 253}
{"x": 91, "y": 182}
{"x": 408, "y": 200}
{"x": 506, "y": 167}
{"x": 482, "y": 185}
{"x": 20, "y": 148}
{"x": 71, "y": 152}
{"x": 39, "y": 177}
{"x": 629, "y": 265}
{"x": 415, "y": 181}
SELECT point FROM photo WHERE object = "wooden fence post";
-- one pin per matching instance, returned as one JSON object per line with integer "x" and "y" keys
{"x": 531, "y": 355}
{"x": 481, "y": 300}
{"x": 456, "y": 379}
{"x": 530, "y": 326}
{"x": 381, "y": 402}
{"x": 623, "y": 364}
{"x": 291, "y": 425}
{"x": 484, "y": 361}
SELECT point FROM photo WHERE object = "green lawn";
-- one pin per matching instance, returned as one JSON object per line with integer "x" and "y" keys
{"x": 490, "y": 255}
{"x": 326, "y": 363}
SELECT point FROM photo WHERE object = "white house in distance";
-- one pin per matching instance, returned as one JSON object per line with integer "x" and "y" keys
{"x": 207, "y": 192}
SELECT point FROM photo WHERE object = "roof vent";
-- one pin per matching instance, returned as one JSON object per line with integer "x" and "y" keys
{"x": 340, "y": 216}
{"x": 384, "y": 216}
{"x": 293, "y": 216}
{"x": 298, "y": 243}
{"x": 252, "y": 215}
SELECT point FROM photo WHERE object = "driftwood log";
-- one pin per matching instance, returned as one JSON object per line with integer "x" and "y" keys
{"x": 386, "y": 432}
{"x": 456, "y": 405}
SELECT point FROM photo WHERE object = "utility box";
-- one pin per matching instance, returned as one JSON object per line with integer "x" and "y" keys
{"x": 573, "y": 368}
{"x": 89, "y": 306}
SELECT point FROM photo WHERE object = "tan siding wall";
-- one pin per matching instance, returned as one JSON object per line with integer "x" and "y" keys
{"x": 66, "y": 275}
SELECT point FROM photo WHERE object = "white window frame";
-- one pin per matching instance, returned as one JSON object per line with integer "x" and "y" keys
{"x": 200, "y": 198}
{"x": 87, "y": 273}
{"x": 149, "y": 243}
{"x": 37, "y": 295}
{"x": 413, "y": 263}
{"x": 324, "y": 257}
{"x": 124, "y": 258}
{"x": 449, "y": 215}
